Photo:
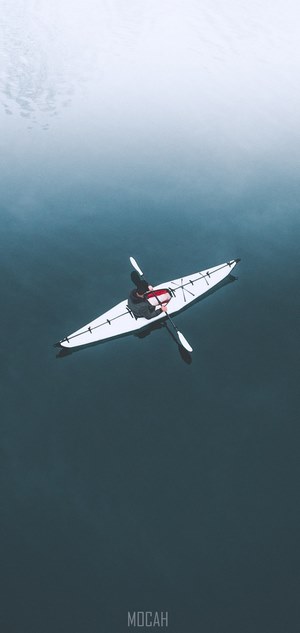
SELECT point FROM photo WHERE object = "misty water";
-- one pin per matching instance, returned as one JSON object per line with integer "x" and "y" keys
{"x": 132, "y": 477}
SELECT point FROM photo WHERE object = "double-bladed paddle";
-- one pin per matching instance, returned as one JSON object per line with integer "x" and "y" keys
{"x": 180, "y": 336}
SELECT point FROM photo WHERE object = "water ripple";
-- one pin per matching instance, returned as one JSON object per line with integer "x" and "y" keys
{"x": 34, "y": 81}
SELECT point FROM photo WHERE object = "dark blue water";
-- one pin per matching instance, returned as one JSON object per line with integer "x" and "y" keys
{"x": 131, "y": 478}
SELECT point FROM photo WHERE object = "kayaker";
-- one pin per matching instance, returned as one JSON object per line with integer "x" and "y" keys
{"x": 138, "y": 304}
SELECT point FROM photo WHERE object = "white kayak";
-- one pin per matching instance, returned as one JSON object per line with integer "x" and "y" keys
{"x": 120, "y": 320}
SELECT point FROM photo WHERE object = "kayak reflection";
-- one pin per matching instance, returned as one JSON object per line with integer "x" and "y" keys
{"x": 147, "y": 330}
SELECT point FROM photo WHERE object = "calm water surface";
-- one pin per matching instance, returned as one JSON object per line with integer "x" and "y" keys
{"x": 131, "y": 479}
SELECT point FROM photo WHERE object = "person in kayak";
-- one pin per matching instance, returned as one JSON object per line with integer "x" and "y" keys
{"x": 138, "y": 304}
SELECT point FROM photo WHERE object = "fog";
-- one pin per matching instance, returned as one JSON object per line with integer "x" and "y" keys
{"x": 227, "y": 70}
{"x": 180, "y": 96}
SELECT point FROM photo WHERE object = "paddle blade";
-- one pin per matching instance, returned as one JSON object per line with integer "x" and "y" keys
{"x": 136, "y": 266}
{"x": 184, "y": 342}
